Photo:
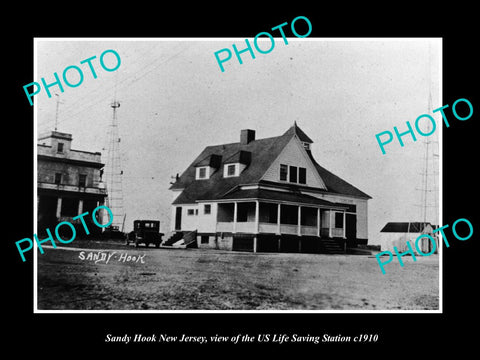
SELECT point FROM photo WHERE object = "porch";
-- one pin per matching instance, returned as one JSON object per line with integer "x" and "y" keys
{"x": 261, "y": 217}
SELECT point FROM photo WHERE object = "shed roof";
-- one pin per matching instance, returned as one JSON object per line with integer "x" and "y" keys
{"x": 264, "y": 194}
{"x": 404, "y": 227}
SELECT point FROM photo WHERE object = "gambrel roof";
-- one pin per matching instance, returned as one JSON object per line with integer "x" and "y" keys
{"x": 262, "y": 153}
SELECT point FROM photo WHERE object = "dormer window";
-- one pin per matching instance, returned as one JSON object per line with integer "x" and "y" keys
{"x": 235, "y": 164}
{"x": 231, "y": 170}
{"x": 60, "y": 148}
{"x": 207, "y": 166}
{"x": 202, "y": 173}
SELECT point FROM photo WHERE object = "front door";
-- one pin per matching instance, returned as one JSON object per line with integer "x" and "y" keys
{"x": 351, "y": 230}
{"x": 178, "y": 218}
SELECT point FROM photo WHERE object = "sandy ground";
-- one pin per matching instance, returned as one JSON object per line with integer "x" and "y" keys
{"x": 161, "y": 279}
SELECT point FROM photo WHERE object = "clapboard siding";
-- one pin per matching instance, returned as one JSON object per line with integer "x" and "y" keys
{"x": 293, "y": 154}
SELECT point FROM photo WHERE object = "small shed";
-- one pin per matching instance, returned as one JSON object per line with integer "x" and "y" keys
{"x": 398, "y": 233}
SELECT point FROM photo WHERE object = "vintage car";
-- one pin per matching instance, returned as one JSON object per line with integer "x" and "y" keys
{"x": 145, "y": 232}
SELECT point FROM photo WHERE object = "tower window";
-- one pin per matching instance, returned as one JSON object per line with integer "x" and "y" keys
{"x": 82, "y": 180}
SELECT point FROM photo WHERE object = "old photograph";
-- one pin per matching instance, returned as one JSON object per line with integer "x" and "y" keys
{"x": 212, "y": 175}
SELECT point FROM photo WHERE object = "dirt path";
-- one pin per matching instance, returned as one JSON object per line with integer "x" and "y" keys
{"x": 158, "y": 279}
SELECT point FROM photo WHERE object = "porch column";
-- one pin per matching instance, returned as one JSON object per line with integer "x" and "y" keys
{"x": 255, "y": 243}
{"x": 257, "y": 216}
{"x": 59, "y": 208}
{"x": 80, "y": 206}
{"x": 279, "y": 213}
{"x": 234, "y": 230}
{"x": 344, "y": 224}
{"x": 318, "y": 222}
{"x": 101, "y": 214}
{"x": 299, "y": 230}
{"x": 330, "y": 224}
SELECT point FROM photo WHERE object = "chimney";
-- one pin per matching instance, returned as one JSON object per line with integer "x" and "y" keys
{"x": 246, "y": 136}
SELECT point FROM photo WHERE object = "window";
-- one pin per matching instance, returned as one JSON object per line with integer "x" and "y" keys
{"x": 306, "y": 145}
{"x": 202, "y": 173}
{"x": 339, "y": 220}
{"x": 283, "y": 172}
{"x": 231, "y": 170}
{"x": 58, "y": 178}
{"x": 196, "y": 211}
{"x": 60, "y": 147}
{"x": 207, "y": 209}
{"x": 302, "y": 175}
{"x": 293, "y": 174}
{"x": 190, "y": 212}
{"x": 82, "y": 180}
{"x": 204, "y": 239}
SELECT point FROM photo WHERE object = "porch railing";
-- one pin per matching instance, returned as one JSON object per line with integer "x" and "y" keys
{"x": 249, "y": 227}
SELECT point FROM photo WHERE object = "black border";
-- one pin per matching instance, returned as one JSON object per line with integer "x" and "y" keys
{"x": 55, "y": 334}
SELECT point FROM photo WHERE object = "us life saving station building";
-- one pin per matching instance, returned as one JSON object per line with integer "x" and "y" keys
{"x": 268, "y": 195}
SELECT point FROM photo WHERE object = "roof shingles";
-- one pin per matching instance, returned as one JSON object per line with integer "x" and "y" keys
{"x": 263, "y": 153}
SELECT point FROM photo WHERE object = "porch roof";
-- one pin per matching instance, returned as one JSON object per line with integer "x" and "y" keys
{"x": 271, "y": 195}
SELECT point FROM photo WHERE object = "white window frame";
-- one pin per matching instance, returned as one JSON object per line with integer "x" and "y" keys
{"x": 225, "y": 170}
{"x": 279, "y": 172}
{"x": 205, "y": 209}
{"x": 198, "y": 170}
{"x": 288, "y": 174}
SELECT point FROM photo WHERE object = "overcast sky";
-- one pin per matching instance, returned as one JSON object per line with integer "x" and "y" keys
{"x": 175, "y": 101}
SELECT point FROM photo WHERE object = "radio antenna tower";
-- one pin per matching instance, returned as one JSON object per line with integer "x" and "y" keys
{"x": 114, "y": 172}
{"x": 429, "y": 189}
{"x": 56, "y": 111}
